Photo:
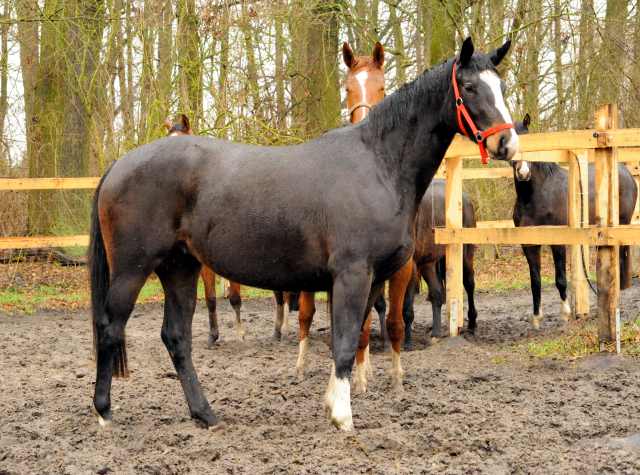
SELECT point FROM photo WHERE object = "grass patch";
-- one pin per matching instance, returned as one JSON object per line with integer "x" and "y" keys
{"x": 581, "y": 339}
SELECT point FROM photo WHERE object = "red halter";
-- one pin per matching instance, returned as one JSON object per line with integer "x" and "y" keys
{"x": 462, "y": 111}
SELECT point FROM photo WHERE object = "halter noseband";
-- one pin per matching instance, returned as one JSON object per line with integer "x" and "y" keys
{"x": 462, "y": 111}
{"x": 358, "y": 105}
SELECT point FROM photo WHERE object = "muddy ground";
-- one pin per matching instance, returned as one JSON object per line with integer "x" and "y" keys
{"x": 467, "y": 408}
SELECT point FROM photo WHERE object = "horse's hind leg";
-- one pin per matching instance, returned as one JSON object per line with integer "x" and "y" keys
{"x": 560, "y": 263}
{"x": 236, "y": 303}
{"x": 407, "y": 307}
{"x": 110, "y": 339}
{"x": 279, "y": 314}
{"x": 363, "y": 362}
{"x": 468, "y": 280}
{"x": 307, "y": 309}
{"x": 381, "y": 308}
{"x": 209, "y": 279}
{"x": 532, "y": 253}
{"x": 395, "y": 323}
{"x": 436, "y": 296}
{"x": 178, "y": 274}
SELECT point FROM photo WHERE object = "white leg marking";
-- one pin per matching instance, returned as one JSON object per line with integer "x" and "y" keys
{"x": 396, "y": 372}
{"x": 303, "y": 364}
{"x": 337, "y": 401}
{"x": 537, "y": 319}
{"x": 494, "y": 82}
{"x": 367, "y": 363}
{"x": 285, "y": 321}
{"x": 279, "y": 316}
{"x": 101, "y": 420}
{"x": 360, "y": 378}
{"x": 329, "y": 393}
{"x": 240, "y": 331}
{"x": 566, "y": 311}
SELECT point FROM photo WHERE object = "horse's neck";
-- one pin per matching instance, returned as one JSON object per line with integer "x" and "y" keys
{"x": 410, "y": 130}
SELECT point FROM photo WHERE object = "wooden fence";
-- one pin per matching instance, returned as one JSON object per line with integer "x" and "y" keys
{"x": 577, "y": 148}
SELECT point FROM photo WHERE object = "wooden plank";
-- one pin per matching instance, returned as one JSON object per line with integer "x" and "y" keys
{"x": 550, "y": 235}
{"x": 579, "y": 218}
{"x": 48, "y": 183}
{"x": 629, "y": 155}
{"x": 482, "y": 173}
{"x": 43, "y": 241}
{"x": 507, "y": 223}
{"x": 453, "y": 219}
{"x": 607, "y": 262}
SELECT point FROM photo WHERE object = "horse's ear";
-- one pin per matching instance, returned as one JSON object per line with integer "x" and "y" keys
{"x": 168, "y": 124}
{"x": 497, "y": 55}
{"x": 185, "y": 123}
{"x": 466, "y": 52}
{"x": 526, "y": 121}
{"x": 378, "y": 55}
{"x": 347, "y": 55}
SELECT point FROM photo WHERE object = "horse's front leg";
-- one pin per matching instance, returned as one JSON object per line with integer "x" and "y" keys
{"x": 307, "y": 309}
{"x": 364, "y": 370}
{"x": 209, "y": 279}
{"x": 236, "y": 303}
{"x": 560, "y": 262}
{"x": 532, "y": 253}
{"x": 351, "y": 289}
{"x": 395, "y": 323}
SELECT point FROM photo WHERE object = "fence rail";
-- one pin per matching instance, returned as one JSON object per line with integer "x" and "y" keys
{"x": 599, "y": 146}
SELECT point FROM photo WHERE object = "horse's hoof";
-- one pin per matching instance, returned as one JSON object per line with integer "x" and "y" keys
{"x": 101, "y": 420}
{"x": 408, "y": 346}
{"x": 220, "y": 426}
{"x": 397, "y": 387}
{"x": 212, "y": 343}
{"x": 303, "y": 375}
{"x": 277, "y": 335}
{"x": 537, "y": 319}
{"x": 435, "y": 340}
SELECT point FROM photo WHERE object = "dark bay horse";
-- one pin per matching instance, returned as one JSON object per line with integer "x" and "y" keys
{"x": 336, "y": 213}
{"x": 365, "y": 87}
{"x": 427, "y": 255}
{"x": 543, "y": 200}
{"x": 208, "y": 276}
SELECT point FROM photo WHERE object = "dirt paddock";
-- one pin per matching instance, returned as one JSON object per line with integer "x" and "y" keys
{"x": 467, "y": 407}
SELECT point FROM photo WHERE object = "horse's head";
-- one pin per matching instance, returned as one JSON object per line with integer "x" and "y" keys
{"x": 181, "y": 128}
{"x": 521, "y": 168}
{"x": 365, "y": 81}
{"x": 482, "y": 114}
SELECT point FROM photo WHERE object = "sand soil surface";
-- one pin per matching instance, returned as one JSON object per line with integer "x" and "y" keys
{"x": 472, "y": 405}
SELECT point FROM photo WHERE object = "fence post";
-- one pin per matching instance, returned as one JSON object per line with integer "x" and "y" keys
{"x": 579, "y": 218}
{"x": 453, "y": 212}
{"x": 607, "y": 215}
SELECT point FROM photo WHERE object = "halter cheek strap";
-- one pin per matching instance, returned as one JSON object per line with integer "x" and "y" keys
{"x": 462, "y": 111}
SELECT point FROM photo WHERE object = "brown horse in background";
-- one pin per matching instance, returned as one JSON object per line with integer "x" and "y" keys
{"x": 208, "y": 276}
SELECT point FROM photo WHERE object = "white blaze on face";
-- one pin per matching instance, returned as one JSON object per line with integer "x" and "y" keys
{"x": 492, "y": 80}
{"x": 523, "y": 171}
{"x": 362, "y": 80}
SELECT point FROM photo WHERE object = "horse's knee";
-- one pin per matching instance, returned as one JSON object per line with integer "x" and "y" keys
{"x": 175, "y": 342}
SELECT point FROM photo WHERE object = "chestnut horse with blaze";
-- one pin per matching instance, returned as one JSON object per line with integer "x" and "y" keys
{"x": 208, "y": 276}
{"x": 346, "y": 223}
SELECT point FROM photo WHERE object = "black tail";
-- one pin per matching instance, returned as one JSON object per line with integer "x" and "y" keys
{"x": 625, "y": 267}
{"x": 99, "y": 278}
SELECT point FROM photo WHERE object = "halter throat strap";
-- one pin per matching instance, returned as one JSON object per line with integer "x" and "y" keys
{"x": 463, "y": 112}
{"x": 358, "y": 105}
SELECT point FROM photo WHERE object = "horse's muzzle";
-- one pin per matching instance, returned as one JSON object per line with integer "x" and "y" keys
{"x": 503, "y": 145}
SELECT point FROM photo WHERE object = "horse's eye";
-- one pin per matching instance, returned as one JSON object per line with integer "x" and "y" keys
{"x": 468, "y": 88}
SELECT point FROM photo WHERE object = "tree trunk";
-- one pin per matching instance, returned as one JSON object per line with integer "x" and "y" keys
{"x": 322, "y": 66}
{"x": 443, "y": 34}
{"x": 399, "y": 52}
{"x": 557, "y": 50}
{"x": 189, "y": 59}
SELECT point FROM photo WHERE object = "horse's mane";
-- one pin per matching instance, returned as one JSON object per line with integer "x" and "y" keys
{"x": 426, "y": 88}
{"x": 546, "y": 168}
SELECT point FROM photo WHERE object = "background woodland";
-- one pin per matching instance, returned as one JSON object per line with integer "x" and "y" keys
{"x": 84, "y": 81}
